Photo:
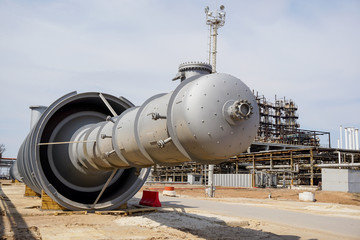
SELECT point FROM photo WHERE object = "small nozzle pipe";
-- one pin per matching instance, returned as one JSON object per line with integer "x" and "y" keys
{"x": 161, "y": 143}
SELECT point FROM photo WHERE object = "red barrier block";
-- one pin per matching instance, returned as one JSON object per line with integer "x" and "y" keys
{"x": 150, "y": 198}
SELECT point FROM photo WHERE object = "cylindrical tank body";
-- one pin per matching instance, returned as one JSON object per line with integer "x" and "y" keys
{"x": 36, "y": 112}
{"x": 207, "y": 119}
{"x": 14, "y": 172}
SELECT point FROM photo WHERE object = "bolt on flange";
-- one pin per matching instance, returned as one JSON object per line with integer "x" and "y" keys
{"x": 240, "y": 110}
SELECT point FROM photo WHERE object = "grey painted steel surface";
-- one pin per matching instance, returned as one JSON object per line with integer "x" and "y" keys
{"x": 208, "y": 118}
{"x": 14, "y": 172}
{"x": 343, "y": 180}
{"x": 36, "y": 112}
{"x": 233, "y": 180}
{"x": 198, "y": 121}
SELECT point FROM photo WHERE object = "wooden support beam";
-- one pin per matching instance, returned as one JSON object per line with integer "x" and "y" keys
{"x": 30, "y": 193}
{"x": 126, "y": 212}
{"x": 70, "y": 213}
{"x": 48, "y": 204}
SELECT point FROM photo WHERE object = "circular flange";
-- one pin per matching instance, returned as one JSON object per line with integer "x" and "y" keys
{"x": 195, "y": 66}
{"x": 79, "y": 194}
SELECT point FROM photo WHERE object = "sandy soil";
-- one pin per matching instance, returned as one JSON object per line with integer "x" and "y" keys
{"x": 263, "y": 193}
{"x": 21, "y": 218}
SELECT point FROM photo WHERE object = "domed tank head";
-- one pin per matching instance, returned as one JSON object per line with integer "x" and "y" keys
{"x": 213, "y": 117}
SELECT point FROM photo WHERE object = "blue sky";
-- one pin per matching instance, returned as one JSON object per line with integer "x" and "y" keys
{"x": 308, "y": 51}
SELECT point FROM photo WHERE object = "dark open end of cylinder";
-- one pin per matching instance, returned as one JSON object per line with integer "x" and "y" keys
{"x": 51, "y": 166}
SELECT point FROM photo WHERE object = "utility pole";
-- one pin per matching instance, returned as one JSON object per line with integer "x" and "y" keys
{"x": 215, "y": 20}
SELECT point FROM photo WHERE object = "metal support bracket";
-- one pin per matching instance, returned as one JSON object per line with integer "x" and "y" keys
{"x": 104, "y": 188}
{"x": 107, "y": 104}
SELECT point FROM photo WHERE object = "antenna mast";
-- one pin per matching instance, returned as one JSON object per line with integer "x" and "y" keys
{"x": 215, "y": 20}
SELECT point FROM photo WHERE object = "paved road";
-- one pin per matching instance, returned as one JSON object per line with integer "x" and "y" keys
{"x": 337, "y": 225}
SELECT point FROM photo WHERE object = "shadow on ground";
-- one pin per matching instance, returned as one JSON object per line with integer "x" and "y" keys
{"x": 176, "y": 217}
{"x": 17, "y": 227}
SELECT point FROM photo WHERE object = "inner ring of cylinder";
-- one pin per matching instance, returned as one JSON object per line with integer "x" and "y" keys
{"x": 61, "y": 165}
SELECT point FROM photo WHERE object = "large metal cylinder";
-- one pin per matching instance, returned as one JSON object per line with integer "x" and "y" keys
{"x": 83, "y": 161}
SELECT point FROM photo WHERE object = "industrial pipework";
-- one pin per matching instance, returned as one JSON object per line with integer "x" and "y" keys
{"x": 94, "y": 150}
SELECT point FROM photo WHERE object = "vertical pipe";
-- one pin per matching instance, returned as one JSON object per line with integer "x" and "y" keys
{"x": 346, "y": 138}
{"x": 182, "y": 173}
{"x": 253, "y": 173}
{"x": 284, "y": 179}
{"x": 205, "y": 175}
{"x": 211, "y": 180}
{"x": 341, "y": 138}
{"x": 292, "y": 168}
{"x": 214, "y": 34}
{"x": 311, "y": 168}
{"x": 353, "y": 138}
{"x": 357, "y": 138}
{"x": 210, "y": 31}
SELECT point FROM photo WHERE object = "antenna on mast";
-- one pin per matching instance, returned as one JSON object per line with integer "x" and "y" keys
{"x": 215, "y": 20}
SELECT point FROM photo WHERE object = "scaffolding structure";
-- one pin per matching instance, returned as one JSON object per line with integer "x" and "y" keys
{"x": 279, "y": 124}
{"x": 291, "y": 166}
{"x": 180, "y": 173}
{"x": 176, "y": 173}
{"x": 276, "y": 119}
{"x": 298, "y": 166}
{"x": 5, "y": 165}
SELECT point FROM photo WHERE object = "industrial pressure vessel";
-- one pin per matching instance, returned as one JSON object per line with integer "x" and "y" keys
{"x": 94, "y": 150}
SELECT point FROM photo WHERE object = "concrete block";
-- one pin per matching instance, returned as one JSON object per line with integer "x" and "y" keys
{"x": 343, "y": 180}
{"x": 307, "y": 197}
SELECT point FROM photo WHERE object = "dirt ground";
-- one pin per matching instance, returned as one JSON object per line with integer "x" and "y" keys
{"x": 21, "y": 218}
{"x": 263, "y": 193}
